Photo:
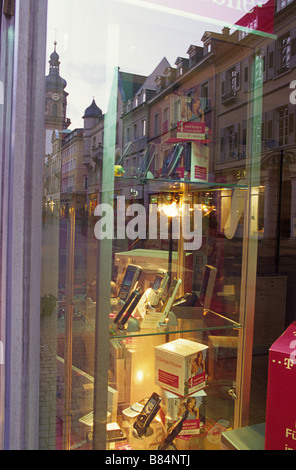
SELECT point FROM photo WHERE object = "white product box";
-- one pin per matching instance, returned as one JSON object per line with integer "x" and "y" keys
{"x": 180, "y": 366}
{"x": 174, "y": 407}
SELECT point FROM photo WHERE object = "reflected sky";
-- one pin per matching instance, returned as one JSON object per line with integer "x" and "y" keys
{"x": 93, "y": 36}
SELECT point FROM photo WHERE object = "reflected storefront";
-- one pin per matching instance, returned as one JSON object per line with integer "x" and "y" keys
{"x": 158, "y": 205}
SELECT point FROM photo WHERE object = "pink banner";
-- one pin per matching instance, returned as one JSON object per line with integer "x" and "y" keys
{"x": 200, "y": 172}
{"x": 191, "y": 130}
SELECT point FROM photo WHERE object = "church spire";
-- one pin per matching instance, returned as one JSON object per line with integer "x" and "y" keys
{"x": 53, "y": 80}
{"x": 54, "y": 59}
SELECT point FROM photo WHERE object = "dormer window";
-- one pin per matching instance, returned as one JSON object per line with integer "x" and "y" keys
{"x": 195, "y": 54}
{"x": 182, "y": 65}
{"x": 143, "y": 96}
{"x": 160, "y": 83}
{"x": 170, "y": 74}
{"x": 208, "y": 48}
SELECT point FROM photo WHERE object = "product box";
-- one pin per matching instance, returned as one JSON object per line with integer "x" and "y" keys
{"x": 280, "y": 431}
{"x": 174, "y": 406}
{"x": 180, "y": 366}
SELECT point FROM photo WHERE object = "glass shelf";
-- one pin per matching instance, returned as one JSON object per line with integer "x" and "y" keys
{"x": 208, "y": 185}
{"x": 198, "y": 318}
{"x": 203, "y": 321}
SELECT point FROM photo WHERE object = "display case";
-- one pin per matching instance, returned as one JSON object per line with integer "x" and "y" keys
{"x": 157, "y": 336}
{"x": 170, "y": 331}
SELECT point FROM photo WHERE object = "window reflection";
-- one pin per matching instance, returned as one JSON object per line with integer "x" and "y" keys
{"x": 212, "y": 129}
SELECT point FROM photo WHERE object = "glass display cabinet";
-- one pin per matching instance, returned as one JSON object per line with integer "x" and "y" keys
{"x": 158, "y": 341}
{"x": 162, "y": 302}
{"x": 172, "y": 328}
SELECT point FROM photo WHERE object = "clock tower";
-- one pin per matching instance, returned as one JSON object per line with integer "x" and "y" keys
{"x": 55, "y": 101}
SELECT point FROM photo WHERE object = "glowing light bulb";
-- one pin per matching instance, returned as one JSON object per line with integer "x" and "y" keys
{"x": 171, "y": 210}
{"x": 140, "y": 376}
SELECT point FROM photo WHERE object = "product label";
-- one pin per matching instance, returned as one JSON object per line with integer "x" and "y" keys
{"x": 168, "y": 378}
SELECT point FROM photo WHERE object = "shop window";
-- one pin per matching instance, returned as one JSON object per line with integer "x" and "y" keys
{"x": 284, "y": 54}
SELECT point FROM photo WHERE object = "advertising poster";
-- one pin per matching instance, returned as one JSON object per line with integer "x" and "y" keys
{"x": 199, "y": 162}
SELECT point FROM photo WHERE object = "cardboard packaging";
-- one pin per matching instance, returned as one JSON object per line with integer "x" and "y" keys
{"x": 174, "y": 407}
{"x": 180, "y": 366}
{"x": 280, "y": 431}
